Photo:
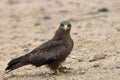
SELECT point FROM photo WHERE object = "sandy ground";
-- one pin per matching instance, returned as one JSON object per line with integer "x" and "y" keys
{"x": 25, "y": 24}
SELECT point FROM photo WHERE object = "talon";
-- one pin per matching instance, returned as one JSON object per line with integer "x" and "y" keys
{"x": 57, "y": 72}
{"x": 61, "y": 67}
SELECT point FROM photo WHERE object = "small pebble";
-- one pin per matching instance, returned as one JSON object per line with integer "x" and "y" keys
{"x": 73, "y": 57}
{"x": 82, "y": 72}
{"x": 29, "y": 44}
{"x": 63, "y": 11}
{"x": 79, "y": 26}
{"x": 26, "y": 50}
{"x": 118, "y": 66}
{"x": 14, "y": 37}
{"x": 15, "y": 26}
{"x": 118, "y": 52}
{"x": 75, "y": 33}
{"x": 98, "y": 57}
{"x": 42, "y": 39}
{"x": 13, "y": 2}
{"x": 46, "y": 17}
{"x": 103, "y": 10}
{"x": 96, "y": 65}
{"x": 118, "y": 29}
{"x": 36, "y": 39}
{"x": 37, "y": 24}
{"x": 80, "y": 60}
{"x": 47, "y": 74}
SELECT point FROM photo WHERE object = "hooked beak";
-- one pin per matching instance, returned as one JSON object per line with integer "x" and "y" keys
{"x": 65, "y": 28}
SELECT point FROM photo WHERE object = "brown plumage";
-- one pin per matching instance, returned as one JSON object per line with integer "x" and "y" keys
{"x": 50, "y": 53}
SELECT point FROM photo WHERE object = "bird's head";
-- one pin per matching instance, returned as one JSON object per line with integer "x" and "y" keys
{"x": 65, "y": 26}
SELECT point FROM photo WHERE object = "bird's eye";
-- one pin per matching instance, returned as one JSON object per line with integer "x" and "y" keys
{"x": 69, "y": 25}
{"x": 62, "y": 25}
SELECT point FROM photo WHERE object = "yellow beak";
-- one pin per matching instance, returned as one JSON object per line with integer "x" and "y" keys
{"x": 65, "y": 28}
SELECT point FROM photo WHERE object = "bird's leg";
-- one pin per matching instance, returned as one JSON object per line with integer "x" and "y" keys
{"x": 58, "y": 72}
{"x": 60, "y": 66}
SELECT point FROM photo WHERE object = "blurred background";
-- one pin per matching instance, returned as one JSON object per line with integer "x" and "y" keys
{"x": 25, "y": 24}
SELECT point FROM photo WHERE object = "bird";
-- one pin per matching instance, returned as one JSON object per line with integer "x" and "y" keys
{"x": 50, "y": 53}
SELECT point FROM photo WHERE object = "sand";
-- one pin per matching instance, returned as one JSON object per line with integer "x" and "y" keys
{"x": 25, "y": 24}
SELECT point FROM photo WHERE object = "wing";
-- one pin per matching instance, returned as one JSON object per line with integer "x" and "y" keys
{"x": 47, "y": 53}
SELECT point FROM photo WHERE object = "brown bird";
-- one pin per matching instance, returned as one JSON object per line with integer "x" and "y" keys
{"x": 51, "y": 53}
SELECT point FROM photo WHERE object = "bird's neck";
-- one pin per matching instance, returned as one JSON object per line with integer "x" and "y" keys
{"x": 60, "y": 35}
{"x": 65, "y": 38}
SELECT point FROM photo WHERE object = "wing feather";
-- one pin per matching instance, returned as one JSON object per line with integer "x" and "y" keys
{"x": 47, "y": 54}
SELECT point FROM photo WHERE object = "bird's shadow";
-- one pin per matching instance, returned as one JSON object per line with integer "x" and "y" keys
{"x": 42, "y": 75}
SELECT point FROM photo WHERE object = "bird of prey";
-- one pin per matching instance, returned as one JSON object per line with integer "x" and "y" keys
{"x": 51, "y": 53}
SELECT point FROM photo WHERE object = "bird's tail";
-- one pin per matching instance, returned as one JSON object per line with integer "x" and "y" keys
{"x": 16, "y": 63}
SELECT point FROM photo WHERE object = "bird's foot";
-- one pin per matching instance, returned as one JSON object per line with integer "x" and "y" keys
{"x": 65, "y": 69}
{"x": 60, "y": 65}
{"x": 58, "y": 72}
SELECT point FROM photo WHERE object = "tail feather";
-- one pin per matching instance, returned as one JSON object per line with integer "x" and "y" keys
{"x": 16, "y": 63}
{"x": 15, "y": 66}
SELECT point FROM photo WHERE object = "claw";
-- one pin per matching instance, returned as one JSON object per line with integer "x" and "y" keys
{"x": 60, "y": 66}
{"x": 57, "y": 72}
{"x": 64, "y": 69}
